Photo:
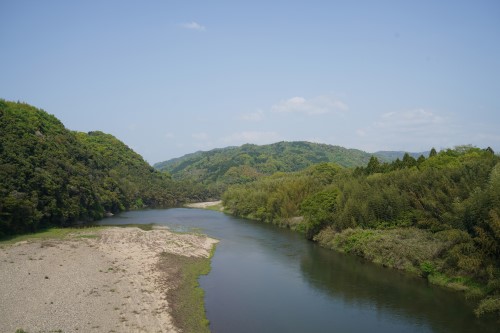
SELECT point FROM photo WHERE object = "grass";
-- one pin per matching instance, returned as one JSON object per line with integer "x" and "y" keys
{"x": 186, "y": 297}
{"x": 61, "y": 233}
{"x": 51, "y": 233}
{"x": 145, "y": 227}
{"x": 415, "y": 251}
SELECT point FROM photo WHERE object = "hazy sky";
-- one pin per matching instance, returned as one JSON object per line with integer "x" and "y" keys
{"x": 173, "y": 77}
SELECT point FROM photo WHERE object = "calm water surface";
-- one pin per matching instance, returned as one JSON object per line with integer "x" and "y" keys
{"x": 267, "y": 279}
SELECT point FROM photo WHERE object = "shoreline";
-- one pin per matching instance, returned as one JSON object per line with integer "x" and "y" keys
{"x": 95, "y": 280}
{"x": 205, "y": 204}
{"x": 354, "y": 242}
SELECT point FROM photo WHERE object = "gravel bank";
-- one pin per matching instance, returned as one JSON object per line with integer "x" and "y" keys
{"x": 99, "y": 281}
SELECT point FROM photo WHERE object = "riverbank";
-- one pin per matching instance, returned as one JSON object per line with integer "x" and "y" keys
{"x": 447, "y": 258}
{"x": 95, "y": 280}
{"x": 211, "y": 205}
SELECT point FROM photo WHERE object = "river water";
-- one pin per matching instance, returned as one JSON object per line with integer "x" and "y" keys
{"x": 267, "y": 279}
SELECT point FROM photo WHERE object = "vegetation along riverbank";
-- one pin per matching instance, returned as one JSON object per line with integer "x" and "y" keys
{"x": 438, "y": 217}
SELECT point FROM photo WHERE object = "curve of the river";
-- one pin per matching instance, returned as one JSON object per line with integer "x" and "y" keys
{"x": 267, "y": 279}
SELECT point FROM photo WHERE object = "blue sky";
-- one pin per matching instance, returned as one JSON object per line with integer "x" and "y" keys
{"x": 173, "y": 77}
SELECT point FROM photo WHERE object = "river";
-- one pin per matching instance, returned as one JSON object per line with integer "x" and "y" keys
{"x": 267, "y": 279}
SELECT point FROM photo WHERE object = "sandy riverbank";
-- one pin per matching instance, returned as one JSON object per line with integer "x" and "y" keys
{"x": 204, "y": 204}
{"x": 106, "y": 280}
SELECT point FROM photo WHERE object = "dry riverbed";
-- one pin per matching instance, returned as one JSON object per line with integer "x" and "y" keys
{"x": 94, "y": 280}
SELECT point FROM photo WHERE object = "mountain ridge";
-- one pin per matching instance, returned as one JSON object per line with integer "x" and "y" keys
{"x": 383, "y": 155}
{"x": 222, "y": 165}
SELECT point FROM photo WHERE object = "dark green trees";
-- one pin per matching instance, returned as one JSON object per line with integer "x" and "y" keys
{"x": 52, "y": 176}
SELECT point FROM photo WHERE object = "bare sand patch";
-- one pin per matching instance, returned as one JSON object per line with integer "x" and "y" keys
{"x": 204, "y": 204}
{"x": 100, "y": 281}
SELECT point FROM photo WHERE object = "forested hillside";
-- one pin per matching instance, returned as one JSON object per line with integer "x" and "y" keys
{"x": 219, "y": 168}
{"x": 437, "y": 217}
{"x": 53, "y": 176}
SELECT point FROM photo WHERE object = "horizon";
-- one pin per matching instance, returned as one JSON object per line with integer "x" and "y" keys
{"x": 170, "y": 79}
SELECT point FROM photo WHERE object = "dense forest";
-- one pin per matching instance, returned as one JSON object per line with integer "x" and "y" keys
{"x": 438, "y": 217}
{"x": 53, "y": 176}
{"x": 219, "y": 168}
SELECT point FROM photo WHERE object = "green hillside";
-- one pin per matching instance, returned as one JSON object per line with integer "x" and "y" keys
{"x": 437, "y": 217}
{"x": 53, "y": 176}
{"x": 232, "y": 165}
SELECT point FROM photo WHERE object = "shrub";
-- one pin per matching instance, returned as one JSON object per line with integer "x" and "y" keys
{"x": 489, "y": 305}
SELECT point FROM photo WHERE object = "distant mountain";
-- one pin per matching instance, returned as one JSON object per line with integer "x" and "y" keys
{"x": 390, "y": 156}
{"x": 245, "y": 163}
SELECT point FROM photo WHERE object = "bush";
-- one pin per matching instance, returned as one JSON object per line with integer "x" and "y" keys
{"x": 427, "y": 268}
{"x": 489, "y": 305}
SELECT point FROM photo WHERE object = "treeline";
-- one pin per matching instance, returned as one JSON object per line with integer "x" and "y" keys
{"x": 438, "y": 217}
{"x": 278, "y": 198}
{"x": 218, "y": 168}
{"x": 52, "y": 176}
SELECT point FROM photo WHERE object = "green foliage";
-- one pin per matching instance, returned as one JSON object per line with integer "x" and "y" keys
{"x": 427, "y": 268}
{"x": 489, "y": 305}
{"x": 54, "y": 177}
{"x": 407, "y": 249}
{"x": 437, "y": 217}
{"x": 219, "y": 168}
{"x": 277, "y": 199}
{"x": 419, "y": 252}
{"x": 318, "y": 210}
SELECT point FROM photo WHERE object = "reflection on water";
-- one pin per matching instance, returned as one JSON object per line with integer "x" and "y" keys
{"x": 362, "y": 284}
{"x": 266, "y": 279}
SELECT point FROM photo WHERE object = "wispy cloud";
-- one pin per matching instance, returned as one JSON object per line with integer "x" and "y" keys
{"x": 315, "y": 106}
{"x": 409, "y": 130}
{"x": 193, "y": 26}
{"x": 414, "y": 121}
{"x": 253, "y": 116}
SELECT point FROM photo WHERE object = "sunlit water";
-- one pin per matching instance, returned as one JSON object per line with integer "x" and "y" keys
{"x": 267, "y": 279}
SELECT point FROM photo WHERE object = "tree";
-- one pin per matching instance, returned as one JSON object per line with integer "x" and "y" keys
{"x": 420, "y": 160}
{"x": 373, "y": 165}
{"x": 408, "y": 161}
{"x": 433, "y": 152}
{"x": 318, "y": 210}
